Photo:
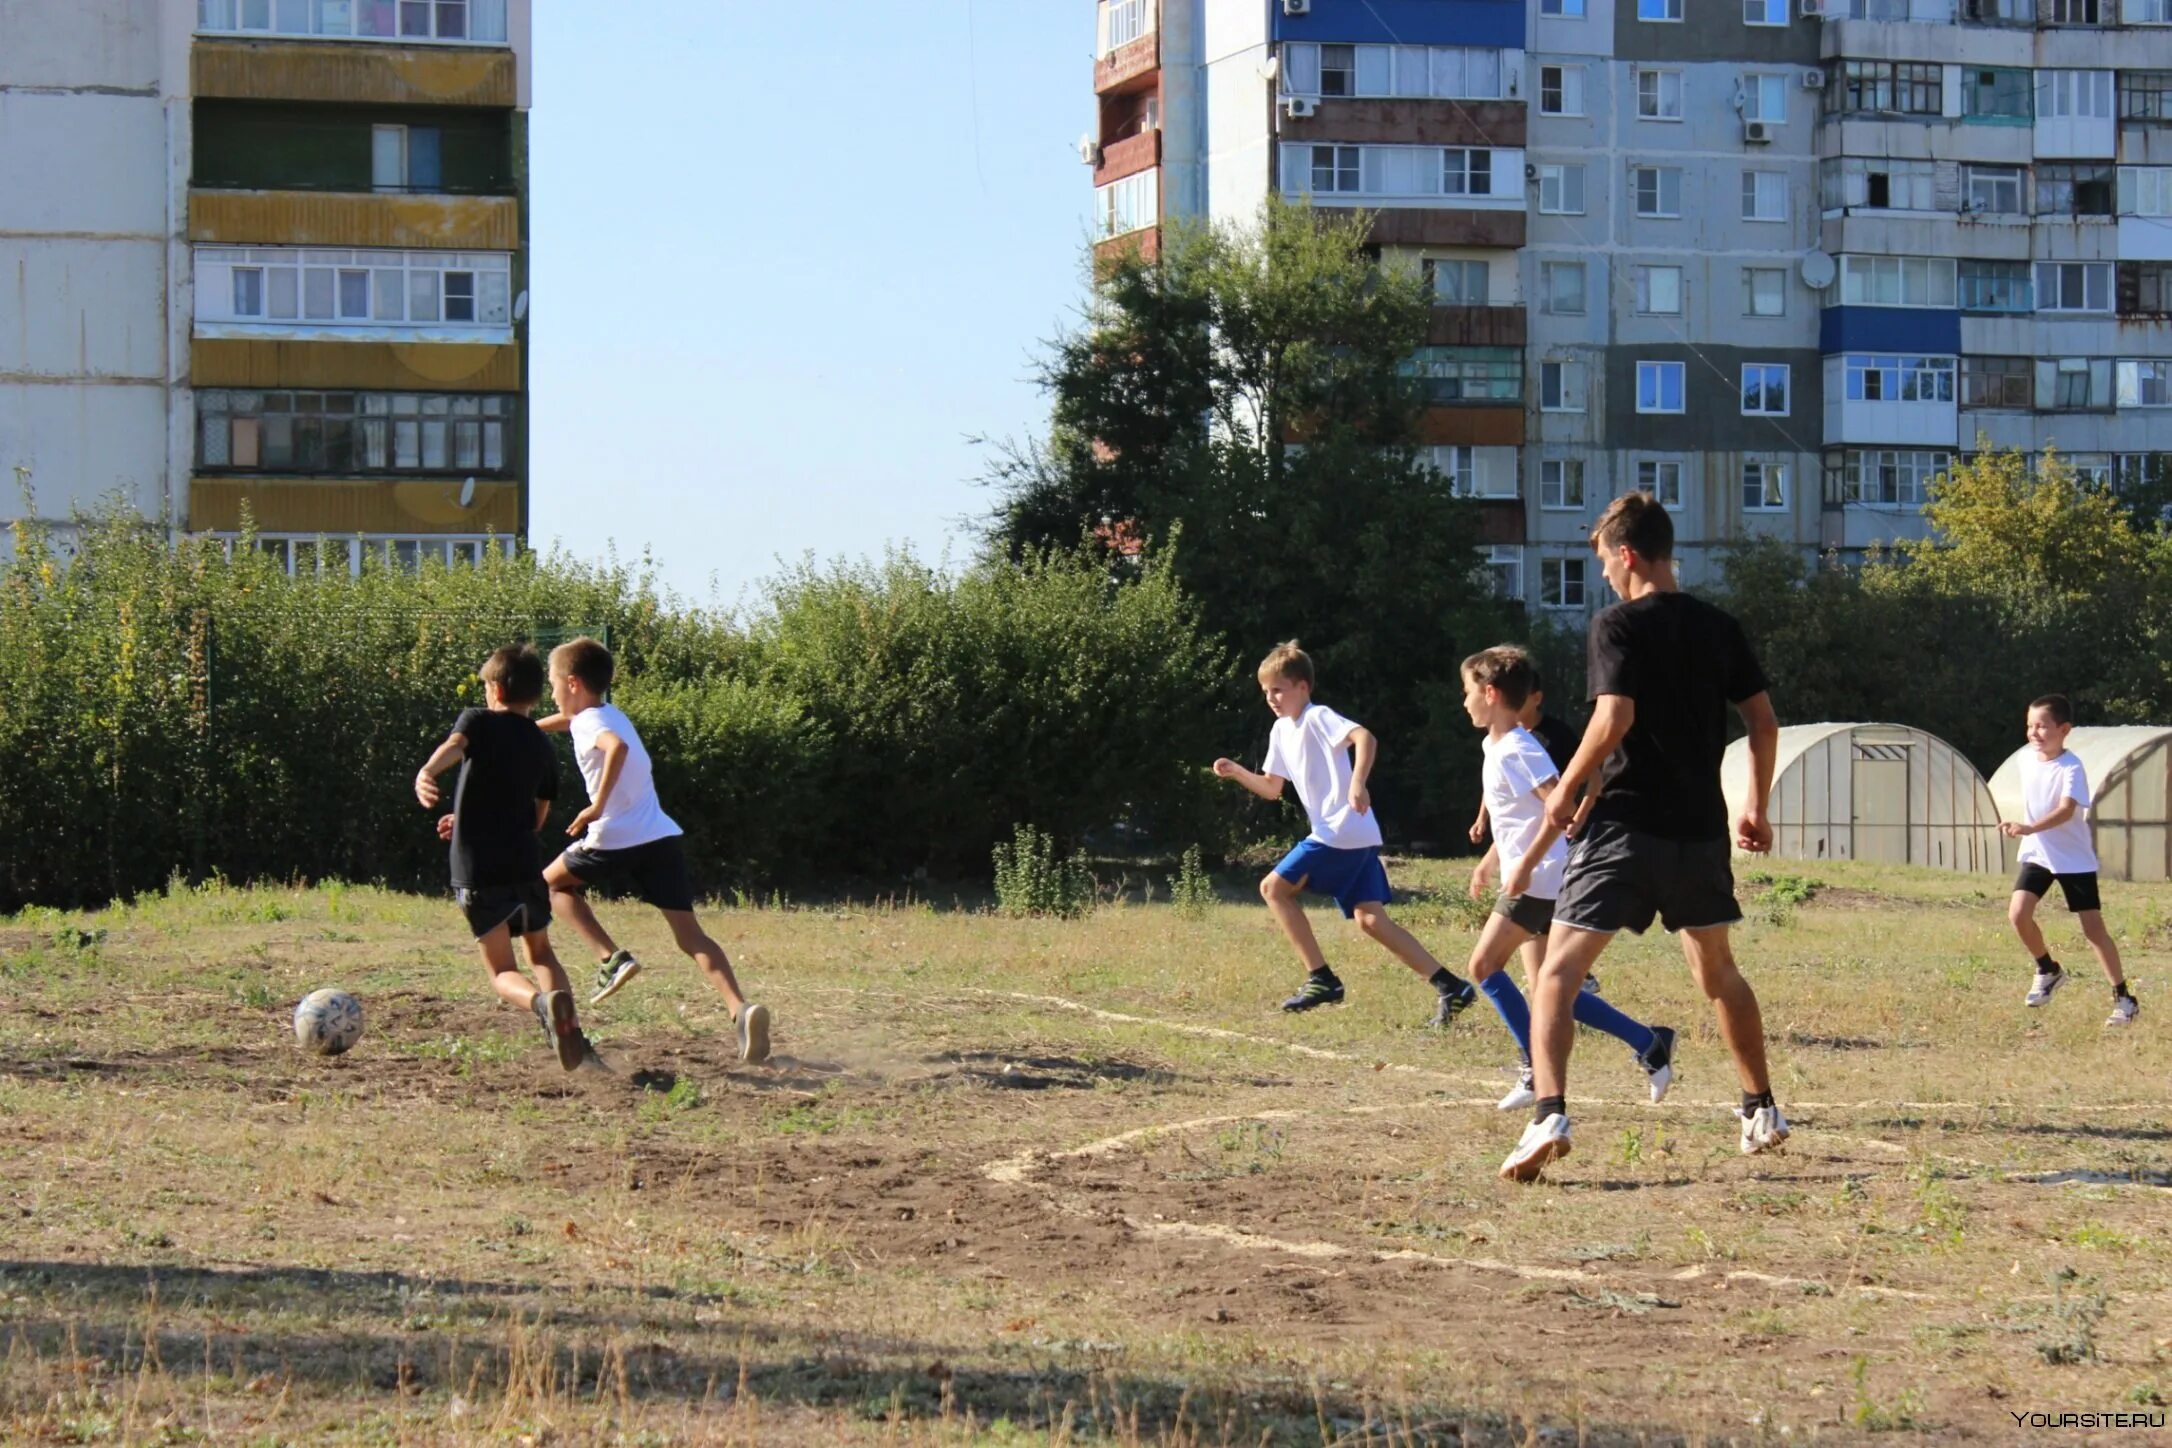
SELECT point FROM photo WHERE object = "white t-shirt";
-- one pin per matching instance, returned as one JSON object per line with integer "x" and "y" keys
{"x": 1516, "y": 765}
{"x": 1312, "y": 752}
{"x": 2045, "y": 785}
{"x": 632, "y": 816}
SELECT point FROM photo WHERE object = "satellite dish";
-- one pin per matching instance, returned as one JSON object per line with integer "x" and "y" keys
{"x": 467, "y": 492}
{"x": 1270, "y": 68}
{"x": 520, "y": 306}
{"x": 1818, "y": 271}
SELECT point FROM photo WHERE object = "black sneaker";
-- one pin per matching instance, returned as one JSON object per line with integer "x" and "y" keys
{"x": 1321, "y": 988}
{"x": 554, "y": 1008}
{"x": 1591, "y": 985}
{"x": 1453, "y": 1002}
{"x": 1658, "y": 1062}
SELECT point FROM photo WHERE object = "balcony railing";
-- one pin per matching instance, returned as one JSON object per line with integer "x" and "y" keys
{"x": 405, "y": 22}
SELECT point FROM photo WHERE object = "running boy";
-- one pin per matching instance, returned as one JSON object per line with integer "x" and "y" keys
{"x": 624, "y": 835}
{"x": 2055, "y": 845}
{"x": 1664, "y": 667}
{"x": 1313, "y": 746}
{"x": 1517, "y": 777}
{"x": 508, "y": 778}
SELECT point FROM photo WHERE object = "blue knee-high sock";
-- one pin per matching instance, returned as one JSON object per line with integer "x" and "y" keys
{"x": 1592, "y": 1010}
{"x": 1510, "y": 1003}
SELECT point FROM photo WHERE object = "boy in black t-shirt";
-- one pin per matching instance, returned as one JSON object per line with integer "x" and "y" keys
{"x": 1664, "y": 668}
{"x": 508, "y": 777}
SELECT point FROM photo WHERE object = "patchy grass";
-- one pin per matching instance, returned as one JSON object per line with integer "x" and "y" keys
{"x": 1043, "y": 1180}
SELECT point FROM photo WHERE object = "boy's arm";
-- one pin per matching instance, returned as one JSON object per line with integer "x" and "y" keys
{"x": 1478, "y": 826}
{"x": 1611, "y": 718}
{"x": 1266, "y": 786}
{"x": 555, "y": 723}
{"x": 2067, "y": 810}
{"x": 444, "y": 757}
{"x": 1519, "y": 879}
{"x": 1365, "y": 748}
{"x": 1482, "y": 870}
{"x": 1753, "y": 832}
{"x": 542, "y": 813}
{"x": 614, "y": 760}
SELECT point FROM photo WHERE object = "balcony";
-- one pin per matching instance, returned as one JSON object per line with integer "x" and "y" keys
{"x": 337, "y": 509}
{"x": 281, "y": 70}
{"x": 1477, "y": 327}
{"x": 1129, "y": 43}
{"x": 307, "y": 294}
{"x": 1128, "y": 157}
{"x": 396, "y": 22}
{"x": 1411, "y": 122}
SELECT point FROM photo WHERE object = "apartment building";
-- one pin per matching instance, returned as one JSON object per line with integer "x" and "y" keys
{"x": 270, "y": 270}
{"x": 1778, "y": 264}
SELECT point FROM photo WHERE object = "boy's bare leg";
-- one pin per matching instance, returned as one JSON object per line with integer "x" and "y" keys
{"x": 1502, "y": 938}
{"x": 1372, "y": 918}
{"x": 707, "y": 954}
{"x": 1534, "y": 961}
{"x": 1742, "y": 1025}
{"x": 1570, "y": 954}
{"x": 2100, "y": 940}
{"x": 1282, "y": 902}
{"x": 2021, "y": 914}
{"x": 505, "y": 978}
{"x": 569, "y": 900}
{"x": 543, "y": 962}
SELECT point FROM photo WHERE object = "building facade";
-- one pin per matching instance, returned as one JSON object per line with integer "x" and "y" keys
{"x": 1779, "y": 263}
{"x": 270, "y": 268}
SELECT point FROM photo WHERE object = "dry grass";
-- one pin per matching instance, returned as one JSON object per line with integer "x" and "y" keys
{"x": 1027, "y": 1181}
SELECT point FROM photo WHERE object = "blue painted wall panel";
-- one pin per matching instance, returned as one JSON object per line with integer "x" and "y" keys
{"x": 1406, "y": 22}
{"x": 1919, "y": 330}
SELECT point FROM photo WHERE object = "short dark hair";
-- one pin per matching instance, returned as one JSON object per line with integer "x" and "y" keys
{"x": 1538, "y": 680}
{"x": 1504, "y": 668}
{"x": 1635, "y": 520}
{"x": 1287, "y": 661}
{"x": 2058, "y": 706}
{"x": 518, "y": 670}
{"x": 586, "y": 660}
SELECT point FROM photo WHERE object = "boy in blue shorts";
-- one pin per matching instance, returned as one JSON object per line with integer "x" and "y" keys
{"x": 1330, "y": 759}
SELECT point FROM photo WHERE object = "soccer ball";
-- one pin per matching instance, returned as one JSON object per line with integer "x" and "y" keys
{"x": 327, "y": 1022}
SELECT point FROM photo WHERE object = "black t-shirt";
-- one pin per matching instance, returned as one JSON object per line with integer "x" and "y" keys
{"x": 1682, "y": 662}
{"x": 509, "y": 766}
{"x": 1560, "y": 740}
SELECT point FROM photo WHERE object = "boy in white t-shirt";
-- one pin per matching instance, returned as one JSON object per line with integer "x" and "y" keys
{"x": 625, "y": 836}
{"x": 1312, "y": 747}
{"x": 1517, "y": 777}
{"x": 2055, "y": 846}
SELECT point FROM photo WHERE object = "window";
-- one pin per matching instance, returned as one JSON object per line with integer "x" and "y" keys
{"x": 1561, "y": 90}
{"x": 2136, "y": 471}
{"x": 1659, "y": 95}
{"x": 1764, "y": 291}
{"x": 1567, "y": 9}
{"x": 1764, "y": 98}
{"x": 1659, "y": 190}
{"x": 405, "y": 158}
{"x": 1561, "y": 387}
{"x": 1561, "y": 288}
{"x": 441, "y": 20}
{"x": 2073, "y": 384}
{"x": 1662, "y": 478}
{"x": 2000, "y": 12}
{"x": 2145, "y": 190}
{"x": 1764, "y": 196}
{"x": 248, "y": 291}
{"x": 2145, "y": 383}
{"x": 2075, "y": 12}
{"x": 1561, "y": 582}
{"x": 1995, "y": 94}
{"x": 1456, "y": 283}
{"x": 1466, "y": 173}
{"x": 355, "y": 288}
{"x": 1476, "y": 472}
{"x": 2074, "y": 188}
{"x": 1876, "y": 183}
{"x": 1561, "y": 190}
{"x": 1764, "y": 487}
{"x": 1992, "y": 190}
{"x": 1561, "y": 483}
{"x": 1764, "y": 12}
{"x": 1886, "y": 477}
{"x": 1659, "y": 9}
{"x": 1134, "y": 203}
{"x": 2073, "y": 286}
{"x": 1909, "y": 88}
{"x": 1407, "y": 71}
{"x": 1996, "y": 382}
{"x": 1467, "y": 374}
{"x": 1764, "y": 389}
{"x": 1504, "y": 567}
{"x": 351, "y": 432}
{"x": 1389, "y": 171}
{"x": 1996, "y": 286}
{"x": 1897, "y": 281}
{"x": 1898, "y": 379}
{"x": 2145, "y": 95}
{"x": 1659, "y": 386}
{"x": 2073, "y": 95}
{"x": 1338, "y": 70}
{"x": 2146, "y": 12}
{"x": 1659, "y": 291}
{"x": 1459, "y": 466}
{"x": 2145, "y": 288}
{"x": 1334, "y": 168}
{"x": 1124, "y": 21}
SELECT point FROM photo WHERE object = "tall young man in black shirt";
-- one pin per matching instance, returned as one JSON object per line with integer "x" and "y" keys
{"x": 1664, "y": 667}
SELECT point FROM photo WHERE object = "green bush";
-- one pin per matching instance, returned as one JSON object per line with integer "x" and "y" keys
{"x": 1030, "y": 880}
{"x": 1191, "y": 888}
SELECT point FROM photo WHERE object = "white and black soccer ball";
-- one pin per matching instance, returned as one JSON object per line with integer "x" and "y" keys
{"x": 327, "y": 1022}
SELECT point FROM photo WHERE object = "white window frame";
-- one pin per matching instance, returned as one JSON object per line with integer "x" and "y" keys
{"x": 1765, "y": 12}
{"x": 1912, "y": 470}
{"x": 1771, "y": 498}
{"x": 1558, "y": 176}
{"x": 1907, "y": 370}
{"x": 1899, "y": 281}
{"x": 1764, "y": 377}
{"x": 2145, "y": 12}
{"x": 1568, "y": 90}
{"x": 2145, "y": 191}
{"x": 1662, "y": 478}
{"x": 1458, "y": 295}
{"x": 1403, "y": 174}
{"x": 1646, "y": 279}
{"x": 1562, "y": 9}
{"x": 1549, "y": 293}
{"x": 313, "y": 287}
{"x": 1130, "y": 204}
{"x": 1504, "y": 562}
{"x": 1760, "y": 87}
{"x": 1345, "y": 169}
{"x": 1669, "y": 12}
{"x": 2098, "y": 273}
{"x": 2075, "y": 95}
{"x": 1561, "y": 485}
{"x": 1761, "y": 189}
{"x": 1395, "y": 72}
{"x": 2144, "y": 382}
{"x": 1572, "y": 386}
{"x": 1460, "y": 464}
{"x": 1981, "y": 181}
{"x": 1654, "y": 93}
{"x": 1659, "y": 192}
{"x": 483, "y": 20}
{"x": 1749, "y": 290}
{"x": 1564, "y": 583}
{"x": 1655, "y": 375}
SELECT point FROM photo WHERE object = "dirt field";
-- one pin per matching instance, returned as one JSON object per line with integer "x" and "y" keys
{"x": 1027, "y": 1181}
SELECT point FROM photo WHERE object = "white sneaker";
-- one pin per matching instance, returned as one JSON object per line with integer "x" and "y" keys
{"x": 2124, "y": 1009}
{"x": 1521, "y": 1096}
{"x": 1542, "y": 1141}
{"x": 2047, "y": 981}
{"x": 754, "y": 1034}
{"x": 1762, "y": 1129}
{"x": 1658, "y": 1063}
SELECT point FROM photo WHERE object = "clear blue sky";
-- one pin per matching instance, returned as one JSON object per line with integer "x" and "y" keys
{"x": 788, "y": 258}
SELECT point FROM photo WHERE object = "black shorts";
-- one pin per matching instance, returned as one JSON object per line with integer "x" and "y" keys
{"x": 1526, "y": 912}
{"x": 654, "y": 873}
{"x": 524, "y": 908}
{"x": 1620, "y": 879}
{"x": 2079, "y": 887}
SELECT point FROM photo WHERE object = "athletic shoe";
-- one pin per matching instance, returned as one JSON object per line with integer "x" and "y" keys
{"x": 2124, "y": 1009}
{"x": 1762, "y": 1129}
{"x": 1542, "y": 1141}
{"x": 753, "y": 1034}
{"x": 1658, "y": 1062}
{"x": 1522, "y": 1096}
{"x": 554, "y": 1008}
{"x": 1321, "y": 988}
{"x": 2047, "y": 981}
{"x": 1591, "y": 985}
{"x": 1453, "y": 1002}
{"x": 619, "y": 969}
{"x": 592, "y": 1059}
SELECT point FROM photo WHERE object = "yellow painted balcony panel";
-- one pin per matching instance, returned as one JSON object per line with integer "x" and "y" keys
{"x": 275, "y": 70}
{"x": 350, "y": 218}
{"x": 339, "y": 508}
{"x": 389, "y": 366}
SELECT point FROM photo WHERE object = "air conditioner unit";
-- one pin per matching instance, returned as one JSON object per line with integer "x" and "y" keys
{"x": 1299, "y": 107}
{"x": 1813, "y": 9}
{"x": 1757, "y": 133}
{"x": 1296, "y": 7}
{"x": 1813, "y": 80}
{"x": 1089, "y": 151}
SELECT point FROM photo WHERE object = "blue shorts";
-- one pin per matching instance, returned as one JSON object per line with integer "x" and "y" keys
{"x": 1353, "y": 877}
